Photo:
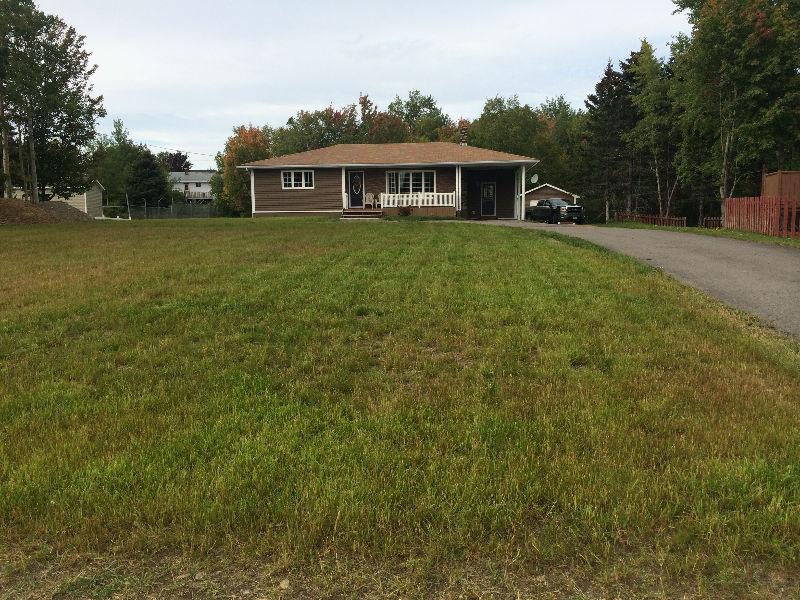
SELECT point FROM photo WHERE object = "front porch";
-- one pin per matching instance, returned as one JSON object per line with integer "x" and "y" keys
{"x": 479, "y": 192}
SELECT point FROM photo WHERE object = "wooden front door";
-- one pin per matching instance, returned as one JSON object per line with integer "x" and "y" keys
{"x": 355, "y": 188}
{"x": 488, "y": 199}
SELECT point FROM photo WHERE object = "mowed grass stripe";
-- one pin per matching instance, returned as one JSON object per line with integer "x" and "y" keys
{"x": 390, "y": 389}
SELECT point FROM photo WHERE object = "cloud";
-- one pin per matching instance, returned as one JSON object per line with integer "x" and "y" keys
{"x": 182, "y": 74}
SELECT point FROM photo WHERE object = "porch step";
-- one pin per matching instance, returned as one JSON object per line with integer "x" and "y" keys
{"x": 360, "y": 213}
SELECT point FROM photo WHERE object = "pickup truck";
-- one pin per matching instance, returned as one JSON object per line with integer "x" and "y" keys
{"x": 555, "y": 210}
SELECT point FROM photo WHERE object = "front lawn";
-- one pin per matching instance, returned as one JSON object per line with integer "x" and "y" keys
{"x": 307, "y": 408}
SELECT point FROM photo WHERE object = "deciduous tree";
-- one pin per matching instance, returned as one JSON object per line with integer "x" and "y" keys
{"x": 231, "y": 186}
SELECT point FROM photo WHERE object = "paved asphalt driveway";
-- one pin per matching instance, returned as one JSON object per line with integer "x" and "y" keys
{"x": 761, "y": 279}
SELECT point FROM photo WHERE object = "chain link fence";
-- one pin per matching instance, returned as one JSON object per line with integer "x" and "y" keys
{"x": 174, "y": 211}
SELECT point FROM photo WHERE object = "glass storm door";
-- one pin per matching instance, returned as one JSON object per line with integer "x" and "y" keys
{"x": 355, "y": 188}
{"x": 488, "y": 199}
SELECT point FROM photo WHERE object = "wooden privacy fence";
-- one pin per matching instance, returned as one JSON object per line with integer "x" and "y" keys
{"x": 650, "y": 219}
{"x": 778, "y": 217}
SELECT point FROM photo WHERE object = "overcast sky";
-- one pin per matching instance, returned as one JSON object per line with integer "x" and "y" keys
{"x": 181, "y": 74}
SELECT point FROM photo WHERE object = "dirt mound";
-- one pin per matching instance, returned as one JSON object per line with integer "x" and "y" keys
{"x": 18, "y": 212}
{"x": 63, "y": 212}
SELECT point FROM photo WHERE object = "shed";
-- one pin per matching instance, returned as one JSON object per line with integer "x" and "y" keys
{"x": 545, "y": 191}
{"x": 90, "y": 202}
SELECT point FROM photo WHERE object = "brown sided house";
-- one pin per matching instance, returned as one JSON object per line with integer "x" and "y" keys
{"x": 425, "y": 179}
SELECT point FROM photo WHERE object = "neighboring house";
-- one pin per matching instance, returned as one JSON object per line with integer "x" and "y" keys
{"x": 194, "y": 185}
{"x": 90, "y": 202}
{"x": 545, "y": 191}
{"x": 425, "y": 179}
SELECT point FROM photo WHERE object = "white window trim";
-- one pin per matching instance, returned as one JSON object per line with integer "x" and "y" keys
{"x": 302, "y": 178}
{"x": 411, "y": 179}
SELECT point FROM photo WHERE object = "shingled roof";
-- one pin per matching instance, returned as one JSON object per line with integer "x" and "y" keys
{"x": 362, "y": 155}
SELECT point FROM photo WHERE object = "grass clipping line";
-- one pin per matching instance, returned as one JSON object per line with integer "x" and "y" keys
{"x": 414, "y": 395}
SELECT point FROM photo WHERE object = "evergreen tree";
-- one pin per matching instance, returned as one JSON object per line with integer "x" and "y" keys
{"x": 605, "y": 156}
{"x": 147, "y": 185}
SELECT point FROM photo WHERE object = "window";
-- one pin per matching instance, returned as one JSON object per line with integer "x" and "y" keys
{"x": 198, "y": 185}
{"x": 297, "y": 180}
{"x": 407, "y": 182}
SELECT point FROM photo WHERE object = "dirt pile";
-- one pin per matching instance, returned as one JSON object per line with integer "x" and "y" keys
{"x": 18, "y": 212}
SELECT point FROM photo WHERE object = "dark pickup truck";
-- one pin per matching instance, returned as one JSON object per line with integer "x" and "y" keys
{"x": 555, "y": 210}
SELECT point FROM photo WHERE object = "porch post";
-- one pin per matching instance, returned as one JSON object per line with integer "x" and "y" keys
{"x": 458, "y": 188}
{"x": 522, "y": 193}
{"x": 344, "y": 192}
{"x": 252, "y": 193}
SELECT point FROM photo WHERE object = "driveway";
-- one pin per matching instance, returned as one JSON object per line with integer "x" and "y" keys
{"x": 761, "y": 279}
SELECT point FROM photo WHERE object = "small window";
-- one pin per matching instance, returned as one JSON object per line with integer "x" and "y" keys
{"x": 198, "y": 185}
{"x": 429, "y": 181}
{"x": 297, "y": 180}
{"x": 416, "y": 182}
{"x": 404, "y": 186}
{"x": 391, "y": 182}
{"x": 185, "y": 187}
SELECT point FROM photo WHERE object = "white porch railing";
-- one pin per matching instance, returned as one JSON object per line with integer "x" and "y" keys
{"x": 418, "y": 199}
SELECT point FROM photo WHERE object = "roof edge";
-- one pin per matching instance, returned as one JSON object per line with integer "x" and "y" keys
{"x": 528, "y": 161}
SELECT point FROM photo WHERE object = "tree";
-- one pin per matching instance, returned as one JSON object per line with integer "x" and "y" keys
{"x": 386, "y": 128}
{"x": 508, "y": 126}
{"x": 424, "y": 117}
{"x": 653, "y": 135}
{"x": 565, "y": 128}
{"x": 605, "y": 151}
{"x": 740, "y": 90}
{"x": 231, "y": 186}
{"x": 147, "y": 185}
{"x": 113, "y": 159}
{"x": 48, "y": 94}
{"x": 14, "y": 14}
{"x": 309, "y": 130}
{"x": 172, "y": 162}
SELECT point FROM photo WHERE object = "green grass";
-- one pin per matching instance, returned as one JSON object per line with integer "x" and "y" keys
{"x": 733, "y": 234}
{"x": 386, "y": 409}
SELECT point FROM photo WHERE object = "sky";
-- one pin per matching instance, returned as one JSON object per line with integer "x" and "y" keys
{"x": 182, "y": 74}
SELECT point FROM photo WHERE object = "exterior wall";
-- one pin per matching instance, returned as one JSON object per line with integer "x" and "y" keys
{"x": 326, "y": 197}
{"x": 471, "y": 192}
{"x": 77, "y": 201}
{"x": 94, "y": 201}
{"x": 424, "y": 211}
{"x": 271, "y": 198}
{"x": 199, "y": 190}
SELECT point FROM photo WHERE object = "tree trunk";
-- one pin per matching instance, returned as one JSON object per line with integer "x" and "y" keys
{"x": 608, "y": 212}
{"x": 9, "y": 190}
{"x": 22, "y": 169}
{"x": 630, "y": 187}
{"x": 700, "y": 212}
{"x": 34, "y": 178}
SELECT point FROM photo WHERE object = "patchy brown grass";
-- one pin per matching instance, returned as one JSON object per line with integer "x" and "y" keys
{"x": 204, "y": 408}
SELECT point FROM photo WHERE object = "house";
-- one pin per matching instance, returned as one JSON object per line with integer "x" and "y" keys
{"x": 195, "y": 185}
{"x": 545, "y": 191}
{"x": 424, "y": 179}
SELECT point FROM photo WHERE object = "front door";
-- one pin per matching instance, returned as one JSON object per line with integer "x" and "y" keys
{"x": 488, "y": 199}
{"x": 355, "y": 188}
